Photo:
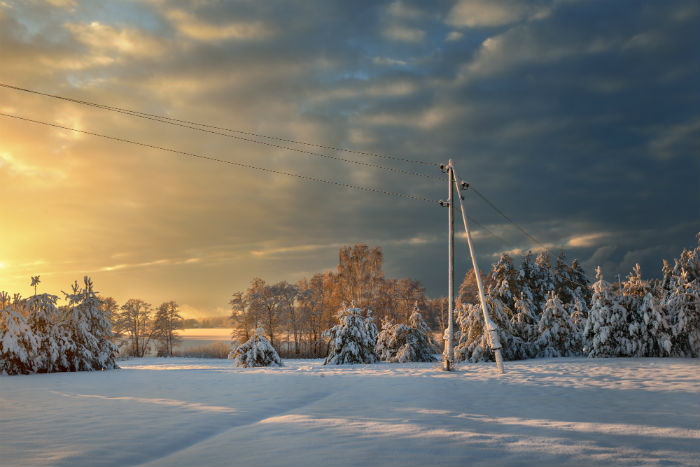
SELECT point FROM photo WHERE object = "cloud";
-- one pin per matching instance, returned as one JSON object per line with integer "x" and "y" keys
{"x": 485, "y": 13}
{"x": 587, "y": 240}
{"x": 676, "y": 140}
{"x": 404, "y": 33}
{"x": 195, "y": 28}
{"x": 105, "y": 40}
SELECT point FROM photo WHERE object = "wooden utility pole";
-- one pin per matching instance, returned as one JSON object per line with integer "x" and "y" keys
{"x": 449, "y": 342}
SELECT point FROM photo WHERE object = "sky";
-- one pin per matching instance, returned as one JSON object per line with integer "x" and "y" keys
{"x": 580, "y": 120}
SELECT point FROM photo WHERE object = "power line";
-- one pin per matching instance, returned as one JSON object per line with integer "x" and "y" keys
{"x": 238, "y": 164}
{"x": 212, "y": 129}
{"x": 303, "y": 177}
{"x": 502, "y": 214}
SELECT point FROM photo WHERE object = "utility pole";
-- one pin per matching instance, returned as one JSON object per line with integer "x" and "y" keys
{"x": 449, "y": 343}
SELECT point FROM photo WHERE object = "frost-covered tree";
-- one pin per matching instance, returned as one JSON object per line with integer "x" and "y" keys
{"x": 542, "y": 281}
{"x": 607, "y": 332}
{"x": 53, "y": 339}
{"x": 256, "y": 352}
{"x": 557, "y": 335}
{"x": 524, "y": 320}
{"x": 89, "y": 330}
{"x": 579, "y": 282}
{"x": 504, "y": 281}
{"x": 634, "y": 289}
{"x": 526, "y": 278}
{"x": 406, "y": 343}
{"x": 18, "y": 344}
{"x": 656, "y": 337}
{"x": 681, "y": 302}
{"x": 352, "y": 340}
{"x": 683, "y": 306}
{"x": 474, "y": 343}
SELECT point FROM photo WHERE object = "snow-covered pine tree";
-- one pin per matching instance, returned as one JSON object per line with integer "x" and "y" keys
{"x": 682, "y": 303}
{"x": 352, "y": 340}
{"x": 542, "y": 281}
{"x": 89, "y": 330}
{"x": 524, "y": 321}
{"x": 634, "y": 289}
{"x": 52, "y": 337}
{"x": 657, "y": 335}
{"x": 563, "y": 285}
{"x": 473, "y": 343}
{"x": 504, "y": 280}
{"x": 578, "y": 311}
{"x": 579, "y": 282}
{"x": 18, "y": 345}
{"x": 557, "y": 336}
{"x": 406, "y": 343}
{"x": 256, "y": 352}
{"x": 606, "y": 333}
{"x": 526, "y": 279}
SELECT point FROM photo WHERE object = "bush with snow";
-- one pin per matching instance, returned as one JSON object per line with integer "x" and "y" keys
{"x": 255, "y": 352}
{"x": 406, "y": 343}
{"x": 353, "y": 340}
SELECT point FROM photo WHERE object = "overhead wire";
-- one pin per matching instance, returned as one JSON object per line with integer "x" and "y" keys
{"x": 502, "y": 214}
{"x": 223, "y": 161}
{"x": 212, "y": 129}
{"x": 217, "y": 130}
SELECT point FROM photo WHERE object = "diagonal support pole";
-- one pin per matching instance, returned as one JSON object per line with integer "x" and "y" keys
{"x": 491, "y": 327}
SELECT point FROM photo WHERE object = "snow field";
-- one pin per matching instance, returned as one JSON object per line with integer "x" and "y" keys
{"x": 156, "y": 411}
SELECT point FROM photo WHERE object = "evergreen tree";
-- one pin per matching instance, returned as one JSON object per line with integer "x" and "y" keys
{"x": 53, "y": 340}
{"x": 542, "y": 281}
{"x": 634, "y": 289}
{"x": 656, "y": 336}
{"x": 256, "y": 352}
{"x": 526, "y": 278}
{"x": 504, "y": 281}
{"x": 406, "y": 343}
{"x": 563, "y": 284}
{"x": 579, "y": 282}
{"x": 524, "y": 320}
{"x": 557, "y": 336}
{"x": 352, "y": 340}
{"x": 682, "y": 302}
{"x": 683, "y": 305}
{"x": 606, "y": 333}
{"x": 474, "y": 343}
{"x": 18, "y": 344}
{"x": 89, "y": 330}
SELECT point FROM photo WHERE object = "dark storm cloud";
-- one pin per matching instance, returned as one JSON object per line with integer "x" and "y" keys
{"x": 581, "y": 120}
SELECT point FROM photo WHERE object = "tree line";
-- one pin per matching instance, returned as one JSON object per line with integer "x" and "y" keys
{"x": 545, "y": 311}
{"x": 294, "y": 317}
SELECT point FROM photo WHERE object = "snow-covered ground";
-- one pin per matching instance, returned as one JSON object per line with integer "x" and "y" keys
{"x": 206, "y": 412}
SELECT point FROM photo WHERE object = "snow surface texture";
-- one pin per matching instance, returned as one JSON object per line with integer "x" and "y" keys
{"x": 159, "y": 411}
